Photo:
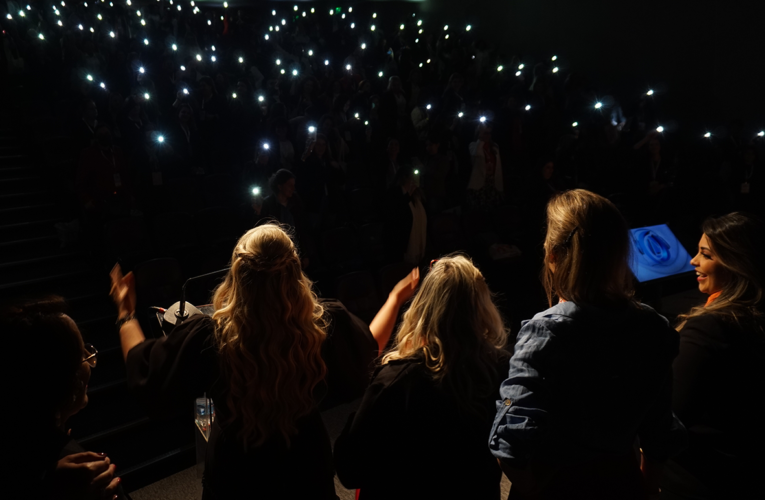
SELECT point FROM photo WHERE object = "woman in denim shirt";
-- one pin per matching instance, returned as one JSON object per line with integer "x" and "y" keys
{"x": 590, "y": 379}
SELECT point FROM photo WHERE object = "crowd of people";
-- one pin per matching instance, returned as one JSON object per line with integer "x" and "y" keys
{"x": 310, "y": 114}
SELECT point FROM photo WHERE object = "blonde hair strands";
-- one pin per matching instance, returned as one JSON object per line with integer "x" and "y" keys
{"x": 269, "y": 332}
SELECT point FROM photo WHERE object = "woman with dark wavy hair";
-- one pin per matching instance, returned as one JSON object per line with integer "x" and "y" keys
{"x": 719, "y": 375}
{"x": 268, "y": 356}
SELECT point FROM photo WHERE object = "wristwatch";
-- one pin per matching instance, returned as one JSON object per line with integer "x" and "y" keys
{"x": 124, "y": 320}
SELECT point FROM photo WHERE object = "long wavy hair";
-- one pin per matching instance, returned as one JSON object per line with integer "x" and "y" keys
{"x": 269, "y": 332}
{"x": 588, "y": 245}
{"x": 455, "y": 330}
{"x": 738, "y": 241}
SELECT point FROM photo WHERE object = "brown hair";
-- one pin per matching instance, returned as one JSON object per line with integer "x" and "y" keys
{"x": 738, "y": 241}
{"x": 269, "y": 332}
{"x": 588, "y": 244}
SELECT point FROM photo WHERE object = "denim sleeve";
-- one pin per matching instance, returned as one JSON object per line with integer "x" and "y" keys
{"x": 522, "y": 411}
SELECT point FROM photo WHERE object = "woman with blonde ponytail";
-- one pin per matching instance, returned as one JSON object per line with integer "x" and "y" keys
{"x": 268, "y": 357}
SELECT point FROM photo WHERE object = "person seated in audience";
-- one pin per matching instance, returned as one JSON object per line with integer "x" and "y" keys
{"x": 448, "y": 357}
{"x": 268, "y": 357}
{"x": 104, "y": 180}
{"x": 51, "y": 464}
{"x": 722, "y": 351}
{"x": 133, "y": 125}
{"x": 85, "y": 128}
{"x": 486, "y": 187}
{"x": 183, "y": 136}
{"x": 592, "y": 374}
{"x": 405, "y": 225}
{"x": 284, "y": 145}
{"x": 284, "y": 207}
{"x": 389, "y": 164}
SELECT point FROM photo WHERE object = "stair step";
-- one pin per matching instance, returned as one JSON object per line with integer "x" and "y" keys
{"x": 29, "y": 229}
{"x": 24, "y": 198}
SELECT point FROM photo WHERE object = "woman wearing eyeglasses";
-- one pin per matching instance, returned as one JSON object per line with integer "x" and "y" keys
{"x": 52, "y": 388}
{"x": 268, "y": 357}
{"x": 591, "y": 376}
{"x": 421, "y": 429}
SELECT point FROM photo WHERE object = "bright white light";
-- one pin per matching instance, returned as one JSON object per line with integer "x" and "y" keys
{"x": 528, "y": 107}
{"x": 374, "y": 15}
{"x": 554, "y": 58}
{"x": 256, "y": 190}
{"x": 348, "y": 67}
{"x": 419, "y": 23}
{"x": 273, "y": 12}
{"x": 8, "y": 16}
{"x": 555, "y": 69}
{"x": 99, "y": 17}
{"x": 708, "y": 135}
{"x": 517, "y": 73}
{"x": 304, "y": 14}
{"x": 416, "y": 40}
{"x": 284, "y": 22}
{"x": 468, "y": 27}
{"x": 225, "y": 5}
{"x": 343, "y": 16}
{"x": 420, "y": 32}
{"x": 276, "y": 28}
{"x": 146, "y": 41}
{"x": 326, "y": 62}
{"x": 331, "y": 12}
{"x": 261, "y": 98}
{"x": 310, "y": 53}
{"x": 233, "y": 96}
{"x": 185, "y": 91}
{"x": 460, "y": 114}
{"x": 192, "y": 3}
{"x": 63, "y": 4}
{"x": 598, "y": 105}
{"x": 59, "y": 22}
{"x": 313, "y": 10}
{"x": 650, "y": 92}
{"x": 143, "y": 22}
{"x": 199, "y": 57}
{"x": 311, "y": 129}
{"x": 41, "y": 37}
{"x": 282, "y": 71}
{"x": 241, "y": 60}
{"x": 90, "y": 78}
{"x": 179, "y": 7}
{"x": 141, "y": 70}
{"x": 482, "y": 119}
{"x": 266, "y": 146}
{"x": 80, "y": 26}
{"x": 575, "y": 124}
{"x": 92, "y": 30}
{"x": 500, "y": 67}
{"x": 350, "y": 9}
{"x": 266, "y": 37}
{"x": 30, "y": 8}
{"x": 270, "y": 28}
{"x": 446, "y": 37}
{"x": 416, "y": 172}
{"x": 421, "y": 65}
{"x": 111, "y": 34}
{"x": 209, "y": 23}
{"x": 58, "y": 13}
{"x": 294, "y": 72}
{"x": 363, "y": 46}
{"x": 295, "y": 8}
{"x": 21, "y": 14}
{"x": 446, "y": 27}
{"x": 103, "y": 85}
{"x": 428, "y": 61}
{"x": 161, "y": 139}
{"x": 380, "y": 74}
{"x": 138, "y": 13}
{"x": 278, "y": 62}
{"x": 353, "y": 25}
{"x": 372, "y": 28}
{"x": 183, "y": 68}
{"x": 428, "y": 106}
{"x": 660, "y": 129}
{"x": 213, "y": 59}
{"x": 356, "y": 115}
{"x": 146, "y": 96}
{"x": 366, "y": 123}
{"x": 761, "y": 133}
{"x": 401, "y": 27}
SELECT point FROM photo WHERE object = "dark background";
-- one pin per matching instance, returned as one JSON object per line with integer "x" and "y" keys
{"x": 707, "y": 55}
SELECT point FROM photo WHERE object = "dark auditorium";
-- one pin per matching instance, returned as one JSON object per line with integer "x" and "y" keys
{"x": 383, "y": 249}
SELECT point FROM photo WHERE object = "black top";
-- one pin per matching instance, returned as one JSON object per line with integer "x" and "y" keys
{"x": 167, "y": 375}
{"x": 719, "y": 394}
{"x": 410, "y": 440}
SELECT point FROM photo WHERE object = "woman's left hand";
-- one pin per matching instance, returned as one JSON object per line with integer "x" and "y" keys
{"x": 123, "y": 291}
{"x": 404, "y": 289}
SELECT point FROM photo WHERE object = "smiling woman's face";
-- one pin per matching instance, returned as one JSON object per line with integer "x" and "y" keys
{"x": 710, "y": 273}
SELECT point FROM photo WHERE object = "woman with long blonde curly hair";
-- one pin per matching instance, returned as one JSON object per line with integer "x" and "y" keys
{"x": 430, "y": 406}
{"x": 268, "y": 356}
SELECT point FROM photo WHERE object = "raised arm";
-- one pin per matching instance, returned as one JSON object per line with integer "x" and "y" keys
{"x": 123, "y": 294}
{"x": 385, "y": 320}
